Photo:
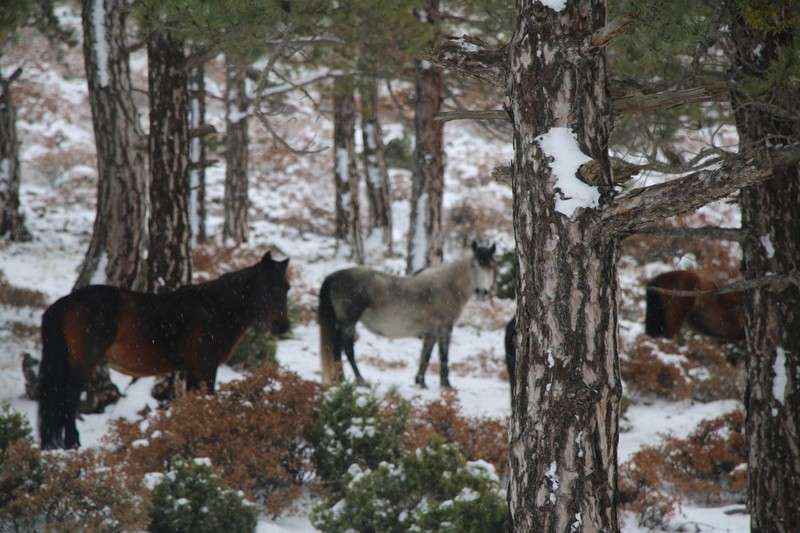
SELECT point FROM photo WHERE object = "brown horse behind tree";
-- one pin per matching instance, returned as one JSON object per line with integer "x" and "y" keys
{"x": 719, "y": 315}
{"x": 193, "y": 329}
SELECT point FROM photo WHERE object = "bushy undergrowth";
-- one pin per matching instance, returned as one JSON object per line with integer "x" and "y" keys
{"x": 432, "y": 488}
{"x": 707, "y": 467}
{"x": 255, "y": 431}
{"x": 483, "y": 439}
{"x": 698, "y": 370}
{"x": 189, "y": 498}
{"x": 19, "y": 297}
{"x": 61, "y": 491}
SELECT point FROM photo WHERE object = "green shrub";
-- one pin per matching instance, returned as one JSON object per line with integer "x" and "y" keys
{"x": 505, "y": 281}
{"x": 13, "y": 427}
{"x": 254, "y": 349}
{"x": 399, "y": 152}
{"x": 190, "y": 498}
{"x": 20, "y": 469}
{"x": 429, "y": 489}
{"x": 353, "y": 427}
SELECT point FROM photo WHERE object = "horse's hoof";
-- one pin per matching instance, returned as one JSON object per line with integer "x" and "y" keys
{"x": 420, "y": 383}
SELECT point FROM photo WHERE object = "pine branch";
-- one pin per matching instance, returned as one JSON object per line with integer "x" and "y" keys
{"x": 704, "y": 232}
{"x": 469, "y": 56}
{"x": 641, "y": 207}
{"x": 777, "y": 281}
{"x": 636, "y": 103}
{"x": 607, "y": 33}
{"x": 467, "y": 114}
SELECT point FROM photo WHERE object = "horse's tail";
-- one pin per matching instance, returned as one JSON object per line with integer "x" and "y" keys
{"x": 326, "y": 315}
{"x": 54, "y": 373}
{"x": 654, "y": 320}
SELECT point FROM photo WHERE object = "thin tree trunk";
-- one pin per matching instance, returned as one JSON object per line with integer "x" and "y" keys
{"x": 770, "y": 217}
{"x": 565, "y": 420}
{"x": 197, "y": 155}
{"x": 12, "y": 220}
{"x": 169, "y": 260}
{"x": 378, "y": 190}
{"x": 116, "y": 254}
{"x": 235, "y": 200}
{"x": 425, "y": 241}
{"x": 345, "y": 169}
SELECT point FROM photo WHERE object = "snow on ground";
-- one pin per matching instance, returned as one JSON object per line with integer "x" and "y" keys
{"x": 289, "y": 195}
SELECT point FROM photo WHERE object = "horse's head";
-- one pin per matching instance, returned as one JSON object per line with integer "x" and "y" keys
{"x": 484, "y": 268}
{"x": 271, "y": 295}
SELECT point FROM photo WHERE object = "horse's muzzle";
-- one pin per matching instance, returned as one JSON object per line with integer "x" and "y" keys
{"x": 481, "y": 294}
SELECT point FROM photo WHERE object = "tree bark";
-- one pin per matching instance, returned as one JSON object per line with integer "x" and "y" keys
{"x": 378, "y": 190}
{"x": 116, "y": 254}
{"x": 425, "y": 240}
{"x": 197, "y": 155}
{"x": 236, "y": 160}
{"x": 169, "y": 260}
{"x": 345, "y": 169}
{"x": 565, "y": 421}
{"x": 12, "y": 220}
{"x": 769, "y": 216}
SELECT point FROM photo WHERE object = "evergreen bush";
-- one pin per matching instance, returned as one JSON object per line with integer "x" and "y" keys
{"x": 189, "y": 498}
{"x": 356, "y": 427}
{"x": 432, "y": 488}
{"x": 254, "y": 349}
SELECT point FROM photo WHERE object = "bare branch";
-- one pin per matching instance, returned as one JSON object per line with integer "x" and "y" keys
{"x": 638, "y": 208}
{"x": 637, "y": 103}
{"x": 202, "y": 130}
{"x": 778, "y": 281}
{"x": 604, "y": 35}
{"x": 705, "y": 232}
{"x": 466, "y": 114}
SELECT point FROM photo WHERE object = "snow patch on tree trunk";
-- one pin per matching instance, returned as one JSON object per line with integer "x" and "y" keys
{"x": 560, "y": 145}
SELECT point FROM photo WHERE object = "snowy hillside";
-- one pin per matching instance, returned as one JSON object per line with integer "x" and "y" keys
{"x": 291, "y": 213}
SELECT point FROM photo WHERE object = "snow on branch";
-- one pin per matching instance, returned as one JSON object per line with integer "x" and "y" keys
{"x": 640, "y": 207}
{"x": 470, "y": 56}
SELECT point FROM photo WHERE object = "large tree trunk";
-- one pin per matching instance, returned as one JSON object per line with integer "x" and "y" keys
{"x": 770, "y": 216}
{"x": 564, "y": 427}
{"x": 378, "y": 190}
{"x": 235, "y": 200}
{"x": 116, "y": 253}
{"x": 345, "y": 169}
{"x": 197, "y": 155}
{"x": 12, "y": 220}
{"x": 425, "y": 239}
{"x": 169, "y": 260}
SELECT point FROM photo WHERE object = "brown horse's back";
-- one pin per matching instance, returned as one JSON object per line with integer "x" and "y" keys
{"x": 719, "y": 315}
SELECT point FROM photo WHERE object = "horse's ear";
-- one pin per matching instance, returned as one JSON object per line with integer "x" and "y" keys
{"x": 284, "y": 265}
{"x": 267, "y": 257}
{"x": 493, "y": 249}
{"x": 474, "y": 246}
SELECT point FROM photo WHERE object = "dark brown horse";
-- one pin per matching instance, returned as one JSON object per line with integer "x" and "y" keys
{"x": 719, "y": 315}
{"x": 193, "y": 329}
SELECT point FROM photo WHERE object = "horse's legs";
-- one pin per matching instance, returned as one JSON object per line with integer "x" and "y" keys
{"x": 428, "y": 340}
{"x": 349, "y": 349}
{"x": 346, "y": 339}
{"x": 444, "y": 346}
{"x": 73, "y": 400}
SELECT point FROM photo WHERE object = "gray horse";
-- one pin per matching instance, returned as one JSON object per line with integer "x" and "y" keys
{"x": 424, "y": 305}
